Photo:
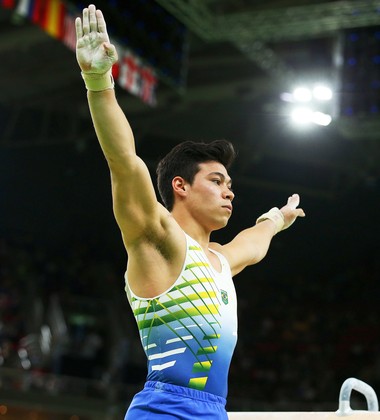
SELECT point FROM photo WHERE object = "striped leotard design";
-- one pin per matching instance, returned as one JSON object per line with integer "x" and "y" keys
{"x": 189, "y": 332}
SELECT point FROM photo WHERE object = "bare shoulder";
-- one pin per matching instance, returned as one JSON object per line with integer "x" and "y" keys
{"x": 215, "y": 246}
{"x": 222, "y": 249}
{"x": 228, "y": 253}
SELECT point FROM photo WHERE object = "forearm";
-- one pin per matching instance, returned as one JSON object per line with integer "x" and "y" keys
{"x": 256, "y": 240}
{"x": 250, "y": 246}
{"x": 112, "y": 127}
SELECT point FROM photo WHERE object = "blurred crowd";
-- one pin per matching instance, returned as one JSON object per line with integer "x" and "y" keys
{"x": 300, "y": 336}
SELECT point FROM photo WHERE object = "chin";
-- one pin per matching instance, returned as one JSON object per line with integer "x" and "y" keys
{"x": 220, "y": 225}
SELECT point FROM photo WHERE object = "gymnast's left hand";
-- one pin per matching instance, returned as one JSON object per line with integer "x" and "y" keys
{"x": 291, "y": 211}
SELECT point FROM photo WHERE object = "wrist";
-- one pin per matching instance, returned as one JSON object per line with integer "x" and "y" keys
{"x": 96, "y": 82}
{"x": 276, "y": 216}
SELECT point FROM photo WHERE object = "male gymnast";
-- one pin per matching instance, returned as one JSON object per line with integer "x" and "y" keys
{"x": 178, "y": 283}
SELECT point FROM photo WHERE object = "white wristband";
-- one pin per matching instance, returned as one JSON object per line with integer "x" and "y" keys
{"x": 276, "y": 216}
{"x": 97, "y": 82}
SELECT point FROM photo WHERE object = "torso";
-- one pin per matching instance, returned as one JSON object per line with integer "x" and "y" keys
{"x": 189, "y": 330}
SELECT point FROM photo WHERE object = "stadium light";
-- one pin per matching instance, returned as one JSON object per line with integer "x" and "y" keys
{"x": 322, "y": 93}
{"x": 302, "y": 94}
{"x": 309, "y": 104}
{"x": 302, "y": 115}
{"x": 320, "y": 118}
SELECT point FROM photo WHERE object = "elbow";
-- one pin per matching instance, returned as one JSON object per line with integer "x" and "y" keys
{"x": 257, "y": 258}
{"x": 259, "y": 254}
{"x": 122, "y": 164}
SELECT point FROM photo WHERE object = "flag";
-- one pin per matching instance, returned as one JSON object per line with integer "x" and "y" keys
{"x": 54, "y": 18}
{"x": 69, "y": 34}
{"x": 37, "y": 11}
{"x": 23, "y": 8}
{"x": 58, "y": 22}
{"x": 129, "y": 76}
{"x": 148, "y": 86}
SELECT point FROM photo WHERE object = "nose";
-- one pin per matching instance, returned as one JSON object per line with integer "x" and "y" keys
{"x": 228, "y": 194}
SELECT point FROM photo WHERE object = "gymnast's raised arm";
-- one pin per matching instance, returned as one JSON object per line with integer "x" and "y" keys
{"x": 135, "y": 204}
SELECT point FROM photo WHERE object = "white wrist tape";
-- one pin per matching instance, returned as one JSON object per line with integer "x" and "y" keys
{"x": 97, "y": 82}
{"x": 276, "y": 216}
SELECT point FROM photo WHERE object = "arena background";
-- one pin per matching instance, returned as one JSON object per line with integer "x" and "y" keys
{"x": 309, "y": 315}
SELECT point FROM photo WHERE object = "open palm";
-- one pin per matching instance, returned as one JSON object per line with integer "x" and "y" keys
{"x": 94, "y": 52}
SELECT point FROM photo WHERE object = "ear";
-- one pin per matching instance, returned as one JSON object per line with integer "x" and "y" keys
{"x": 179, "y": 186}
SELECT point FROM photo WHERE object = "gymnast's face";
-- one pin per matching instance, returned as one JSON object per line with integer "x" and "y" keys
{"x": 209, "y": 197}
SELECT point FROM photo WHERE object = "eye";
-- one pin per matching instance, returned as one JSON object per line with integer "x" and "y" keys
{"x": 216, "y": 181}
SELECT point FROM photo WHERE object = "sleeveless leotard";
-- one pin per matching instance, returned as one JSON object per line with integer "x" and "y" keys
{"x": 189, "y": 332}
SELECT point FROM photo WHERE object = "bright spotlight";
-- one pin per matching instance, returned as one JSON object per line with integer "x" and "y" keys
{"x": 302, "y": 94}
{"x": 321, "y": 119}
{"x": 322, "y": 93}
{"x": 302, "y": 115}
{"x": 309, "y": 105}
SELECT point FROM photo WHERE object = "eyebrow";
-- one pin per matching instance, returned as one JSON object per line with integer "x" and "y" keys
{"x": 223, "y": 177}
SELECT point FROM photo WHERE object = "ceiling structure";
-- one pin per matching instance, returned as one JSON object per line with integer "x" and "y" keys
{"x": 243, "y": 54}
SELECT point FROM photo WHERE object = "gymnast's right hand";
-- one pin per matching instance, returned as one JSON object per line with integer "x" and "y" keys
{"x": 95, "y": 53}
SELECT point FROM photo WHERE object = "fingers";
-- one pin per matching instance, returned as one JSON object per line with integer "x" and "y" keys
{"x": 293, "y": 201}
{"x": 92, "y": 21}
{"x": 78, "y": 28}
{"x": 301, "y": 213}
{"x": 85, "y": 22}
{"x": 92, "y": 18}
{"x": 101, "y": 22}
{"x": 292, "y": 204}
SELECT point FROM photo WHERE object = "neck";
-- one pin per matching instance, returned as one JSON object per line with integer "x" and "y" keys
{"x": 194, "y": 229}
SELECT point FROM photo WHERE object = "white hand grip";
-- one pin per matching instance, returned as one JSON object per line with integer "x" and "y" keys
{"x": 345, "y": 394}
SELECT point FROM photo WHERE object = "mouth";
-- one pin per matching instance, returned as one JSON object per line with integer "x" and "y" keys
{"x": 228, "y": 207}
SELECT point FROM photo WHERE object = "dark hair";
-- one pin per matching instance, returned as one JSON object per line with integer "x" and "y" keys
{"x": 184, "y": 159}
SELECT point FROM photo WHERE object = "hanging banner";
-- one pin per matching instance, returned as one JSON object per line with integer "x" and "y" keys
{"x": 53, "y": 17}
